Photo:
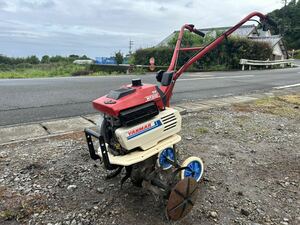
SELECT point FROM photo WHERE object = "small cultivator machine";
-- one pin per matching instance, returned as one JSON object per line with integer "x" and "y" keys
{"x": 139, "y": 132}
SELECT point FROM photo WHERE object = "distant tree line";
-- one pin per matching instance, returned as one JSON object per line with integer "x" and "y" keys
{"x": 35, "y": 60}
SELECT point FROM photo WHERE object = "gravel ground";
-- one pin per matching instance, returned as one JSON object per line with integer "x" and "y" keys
{"x": 251, "y": 154}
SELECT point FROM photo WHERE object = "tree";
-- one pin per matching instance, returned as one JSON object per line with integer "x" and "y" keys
{"x": 288, "y": 20}
{"x": 84, "y": 57}
{"x": 32, "y": 60}
{"x": 74, "y": 56}
{"x": 5, "y": 60}
{"x": 119, "y": 57}
{"x": 188, "y": 40}
{"x": 57, "y": 58}
{"x": 192, "y": 40}
{"x": 45, "y": 59}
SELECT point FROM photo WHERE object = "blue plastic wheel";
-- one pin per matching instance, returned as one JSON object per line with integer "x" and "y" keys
{"x": 164, "y": 156}
{"x": 194, "y": 168}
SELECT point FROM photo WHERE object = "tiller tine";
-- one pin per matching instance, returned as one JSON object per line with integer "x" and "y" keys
{"x": 114, "y": 173}
{"x": 182, "y": 199}
{"x": 127, "y": 175}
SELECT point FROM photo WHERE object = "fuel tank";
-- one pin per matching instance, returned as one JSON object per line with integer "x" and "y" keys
{"x": 129, "y": 96}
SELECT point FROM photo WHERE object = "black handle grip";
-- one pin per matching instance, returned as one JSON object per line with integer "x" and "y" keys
{"x": 191, "y": 25}
{"x": 198, "y": 32}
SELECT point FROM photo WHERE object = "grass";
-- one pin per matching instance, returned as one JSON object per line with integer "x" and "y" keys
{"x": 217, "y": 68}
{"x": 139, "y": 71}
{"x": 43, "y": 70}
{"x": 8, "y": 214}
{"x": 293, "y": 99}
{"x": 202, "y": 130}
{"x": 285, "y": 106}
{"x": 102, "y": 73}
{"x": 57, "y": 70}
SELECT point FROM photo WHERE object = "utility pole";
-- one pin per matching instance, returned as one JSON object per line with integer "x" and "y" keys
{"x": 130, "y": 46}
{"x": 285, "y": 2}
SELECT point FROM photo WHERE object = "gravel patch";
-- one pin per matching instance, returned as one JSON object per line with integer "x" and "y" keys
{"x": 251, "y": 177}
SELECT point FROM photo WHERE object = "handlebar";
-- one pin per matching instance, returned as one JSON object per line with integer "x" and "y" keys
{"x": 168, "y": 89}
{"x": 192, "y": 28}
{"x": 198, "y": 32}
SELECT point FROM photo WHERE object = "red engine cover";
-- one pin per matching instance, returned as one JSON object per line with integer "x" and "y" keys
{"x": 142, "y": 94}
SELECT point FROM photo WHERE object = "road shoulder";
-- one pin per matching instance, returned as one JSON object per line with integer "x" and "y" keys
{"x": 32, "y": 131}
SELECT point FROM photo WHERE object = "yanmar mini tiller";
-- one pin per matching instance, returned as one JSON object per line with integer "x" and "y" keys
{"x": 139, "y": 132}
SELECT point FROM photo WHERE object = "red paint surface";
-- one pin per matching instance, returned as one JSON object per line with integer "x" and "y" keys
{"x": 142, "y": 94}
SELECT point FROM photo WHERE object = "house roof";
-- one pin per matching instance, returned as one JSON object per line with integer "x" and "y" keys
{"x": 166, "y": 40}
{"x": 243, "y": 31}
{"x": 272, "y": 40}
{"x": 248, "y": 31}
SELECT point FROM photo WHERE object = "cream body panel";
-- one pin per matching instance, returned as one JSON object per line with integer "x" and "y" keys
{"x": 139, "y": 156}
{"x": 147, "y": 134}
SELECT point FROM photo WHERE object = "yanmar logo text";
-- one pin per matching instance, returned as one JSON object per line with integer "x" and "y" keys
{"x": 143, "y": 129}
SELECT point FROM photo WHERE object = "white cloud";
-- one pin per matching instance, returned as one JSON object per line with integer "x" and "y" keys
{"x": 101, "y": 27}
{"x": 25, "y": 5}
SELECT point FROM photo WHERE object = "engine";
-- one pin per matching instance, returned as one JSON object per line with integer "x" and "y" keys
{"x": 122, "y": 138}
{"x": 136, "y": 118}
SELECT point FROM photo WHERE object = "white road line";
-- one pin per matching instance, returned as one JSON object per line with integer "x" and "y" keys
{"x": 287, "y": 86}
{"x": 210, "y": 78}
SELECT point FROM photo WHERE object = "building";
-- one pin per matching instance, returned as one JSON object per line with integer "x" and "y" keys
{"x": 106, "y": 61}
{"x": 83, "y": 61}
{"x": 246, "y": 31}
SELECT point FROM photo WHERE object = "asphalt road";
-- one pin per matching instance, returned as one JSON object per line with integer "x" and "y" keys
{"x": 29, "y": 100}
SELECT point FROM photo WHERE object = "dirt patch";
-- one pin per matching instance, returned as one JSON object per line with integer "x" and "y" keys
{"x": 250, "y": 151}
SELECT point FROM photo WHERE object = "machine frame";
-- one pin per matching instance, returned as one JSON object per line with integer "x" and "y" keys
{"x": 181, "y": 195}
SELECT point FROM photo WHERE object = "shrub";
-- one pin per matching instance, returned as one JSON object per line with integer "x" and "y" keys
{"x": 227, "y": 55}
{"x": 297, "y": 54}
{"x": 5, "y": 67}
{"x": 108, "y": 68}
{"x": 162, "y": 56}
{"x": 81, "y": 73}
{"x": 24, "y": 66}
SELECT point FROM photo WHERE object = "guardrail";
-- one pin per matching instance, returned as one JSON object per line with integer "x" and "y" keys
{"x": 267, "y": 64}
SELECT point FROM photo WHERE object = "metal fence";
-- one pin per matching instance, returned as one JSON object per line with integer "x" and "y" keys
{"x": 267, "y": 64}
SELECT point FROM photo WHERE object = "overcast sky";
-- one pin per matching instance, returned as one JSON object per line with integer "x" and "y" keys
{"x": 102, "y": 27}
